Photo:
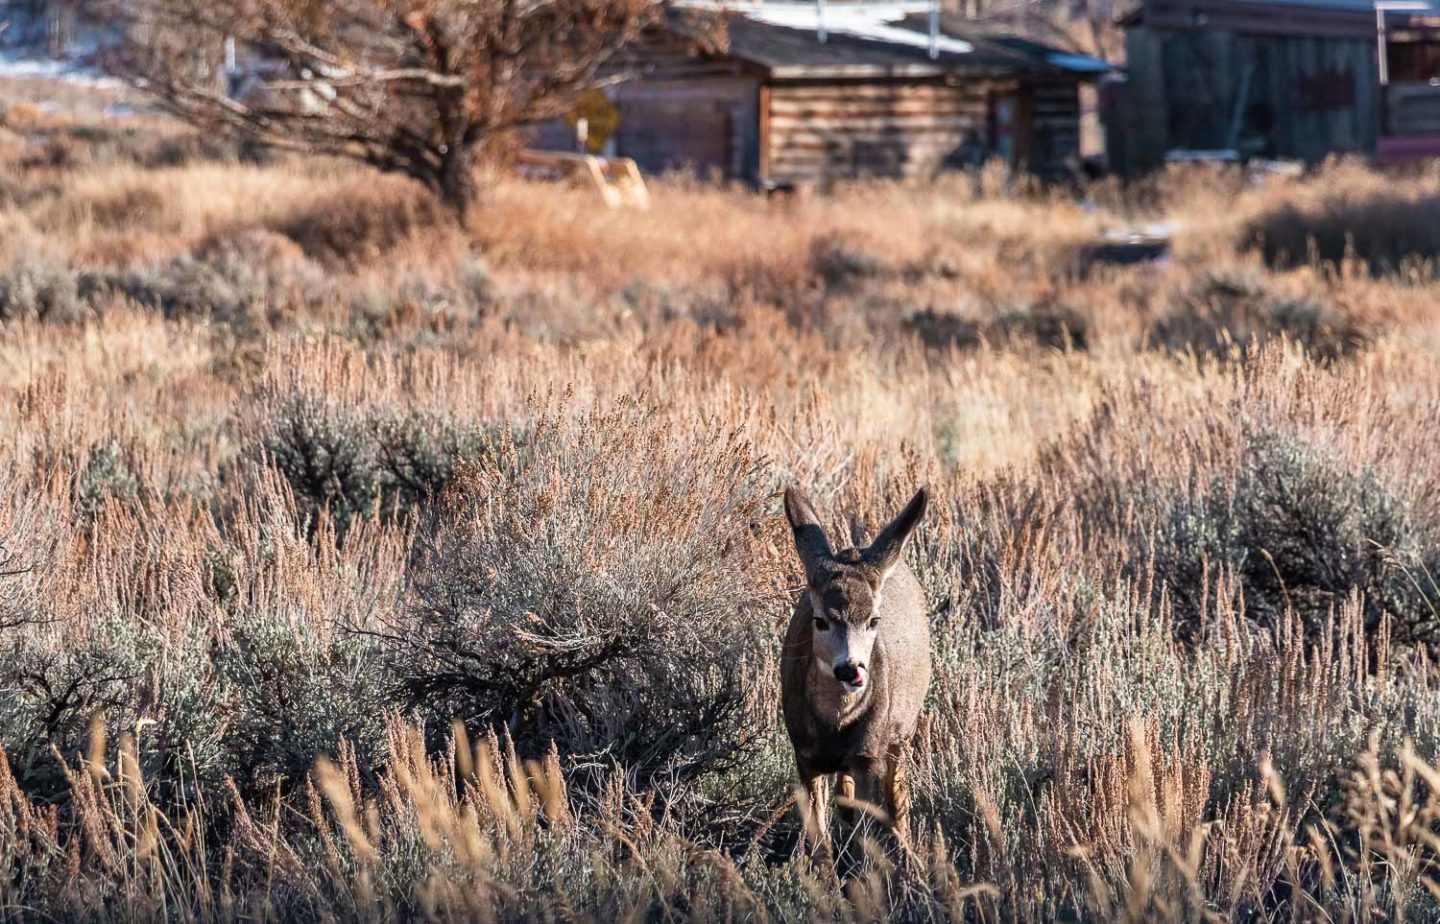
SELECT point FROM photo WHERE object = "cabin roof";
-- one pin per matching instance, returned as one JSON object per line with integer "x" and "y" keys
{"x": 875, "y": 41}
{"x": 1299, "y": 18}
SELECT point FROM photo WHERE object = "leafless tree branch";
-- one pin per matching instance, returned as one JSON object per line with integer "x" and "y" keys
{"x": 422, "y": 87}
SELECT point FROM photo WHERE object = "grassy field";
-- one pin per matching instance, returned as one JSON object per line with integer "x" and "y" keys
{"x": 358, "y": 566}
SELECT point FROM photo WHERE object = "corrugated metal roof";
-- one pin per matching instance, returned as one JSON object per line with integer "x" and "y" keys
{"x": 888, "y": 41}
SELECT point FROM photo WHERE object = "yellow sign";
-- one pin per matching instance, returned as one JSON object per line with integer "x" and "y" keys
{"x": 595, "y": 119}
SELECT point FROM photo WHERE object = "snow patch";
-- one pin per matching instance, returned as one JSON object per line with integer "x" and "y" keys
{"x": 16, "y": 66}
{"x": 872, "y": 22}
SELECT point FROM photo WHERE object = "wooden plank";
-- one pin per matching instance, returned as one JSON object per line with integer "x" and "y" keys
{"x": 815, "y": 110}
{"x": 817, "y": 145}
{"x": 661, "y": 136}
{"x": 860, "y": 91}
{"x": 902, "y": 125}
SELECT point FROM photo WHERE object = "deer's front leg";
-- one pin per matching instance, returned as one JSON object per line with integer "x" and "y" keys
{"x": 817, "y": 811}
{"x": 897, "y": 792}
{"x": 863, "y": 787}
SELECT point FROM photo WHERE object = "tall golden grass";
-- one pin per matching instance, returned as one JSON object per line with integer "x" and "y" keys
{"x": 270, "y": 468}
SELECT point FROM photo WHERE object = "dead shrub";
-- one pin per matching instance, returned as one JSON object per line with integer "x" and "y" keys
{"x": 137, "y": 206}
{"x": 842, "y": 264}
{"x": 1227, "y": 311}
{"x": 362, "y": 222}
{"x": 1056, "y": 328}
{"x": 1384, "y": 226}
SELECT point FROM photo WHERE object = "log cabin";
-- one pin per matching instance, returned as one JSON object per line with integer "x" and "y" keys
{"x": 803, "y": 95}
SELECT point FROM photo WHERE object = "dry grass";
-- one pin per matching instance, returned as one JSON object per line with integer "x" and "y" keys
{"x": 286, "y": 489}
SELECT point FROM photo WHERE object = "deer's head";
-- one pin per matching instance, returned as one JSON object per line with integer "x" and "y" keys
{"x": 846, "y": 587}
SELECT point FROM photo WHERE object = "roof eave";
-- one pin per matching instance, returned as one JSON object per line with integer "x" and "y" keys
{"x": 832, "y": 71}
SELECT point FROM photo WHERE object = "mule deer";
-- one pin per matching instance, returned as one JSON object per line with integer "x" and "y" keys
{"x": 856, "y": 665}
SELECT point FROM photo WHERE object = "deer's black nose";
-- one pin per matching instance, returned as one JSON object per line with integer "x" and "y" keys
{"x": 848, "y": 673}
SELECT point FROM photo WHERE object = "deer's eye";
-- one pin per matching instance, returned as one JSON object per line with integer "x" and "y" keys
{"x": 875, "y": 623}
{"x": 821, "y": 625}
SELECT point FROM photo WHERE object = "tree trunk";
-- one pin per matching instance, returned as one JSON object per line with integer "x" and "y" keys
{"x": 458, "y": 188}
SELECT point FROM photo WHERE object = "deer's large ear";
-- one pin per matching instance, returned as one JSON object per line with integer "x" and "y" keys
{"x": 889, "y": 547}
{"x": 810, "y": 540}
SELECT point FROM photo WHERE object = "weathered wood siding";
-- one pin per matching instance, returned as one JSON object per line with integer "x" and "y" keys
{"x": 706, "y": 126}
{"x": 1054, "y": 125}
{"x": 821, "y": 132}
{"x": 680, "y": 111}
{"x": 1297, "y": 96}
{"x": 1413, "y": 109}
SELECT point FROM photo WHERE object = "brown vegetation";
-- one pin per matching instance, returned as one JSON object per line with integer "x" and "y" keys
{"x": 280, "y": 485}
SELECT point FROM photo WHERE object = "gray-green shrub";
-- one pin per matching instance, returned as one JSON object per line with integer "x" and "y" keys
{"x": 606, "y": 607}
{"x": 1303, "y": 531}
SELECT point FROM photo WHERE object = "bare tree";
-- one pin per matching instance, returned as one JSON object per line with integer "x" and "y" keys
{"x": 422, "y": 87}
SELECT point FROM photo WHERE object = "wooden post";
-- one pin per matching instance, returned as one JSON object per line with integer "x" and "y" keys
{"x": 934, "y": 26}
{"x": 764, "y": 114}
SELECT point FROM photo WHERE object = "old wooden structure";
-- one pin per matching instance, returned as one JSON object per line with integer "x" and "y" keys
{"x": 1295, "y": 79}
{"x": 804, "y": 95}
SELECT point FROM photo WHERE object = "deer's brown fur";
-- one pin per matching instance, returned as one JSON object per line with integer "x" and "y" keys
{"x": 860, "y": 731}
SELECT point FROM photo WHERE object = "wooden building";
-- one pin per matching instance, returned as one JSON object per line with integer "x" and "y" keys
{"x": 781, "y": 94}
{"x": 1274, "y": 78}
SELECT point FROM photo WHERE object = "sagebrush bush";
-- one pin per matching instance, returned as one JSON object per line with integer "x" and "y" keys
{"x": 291, "y": 694}
{"x": 37, "y": 288}
{"x": 125, "y": 680}
{"x": 254, "y": 276}
{"x": 1303, "y": 532}
{"x": 1236, "y": 311}
{"x": 107, "y": 475}
{"x": 839, "y": 263}
{"x": 452, "y": 304}
{"x": 590, "y": 584}
{"x": 417, "y": 454}
{"x": 1056, "y": 328}
{"x": 350, "y": 463}
{"x": 51, "y": 694}
{"x": 323, "y": 450}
